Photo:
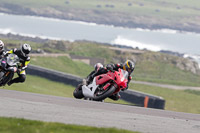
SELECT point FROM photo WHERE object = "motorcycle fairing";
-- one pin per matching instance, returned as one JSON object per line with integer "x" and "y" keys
{"x": 106, "y": 86}
{"x": 122, "y": 78}
{"x": 88, "y": 91}
{"x": 103, "y": 78}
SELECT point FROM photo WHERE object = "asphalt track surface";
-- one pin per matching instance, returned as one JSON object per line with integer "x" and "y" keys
{"x": 73, "y": 111}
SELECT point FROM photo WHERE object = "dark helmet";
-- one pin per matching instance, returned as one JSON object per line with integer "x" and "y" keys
{"x": 1, "y": 45}
{"x": 129, "y": 66}
{"x": 97, "y": 66}
{"x": 25, "y": 49}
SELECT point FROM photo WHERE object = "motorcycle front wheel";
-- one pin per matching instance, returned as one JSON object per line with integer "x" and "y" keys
{"x": 105, "y": 94}
{"x": 5, "y": 78}
{"x": 78, "y": 92}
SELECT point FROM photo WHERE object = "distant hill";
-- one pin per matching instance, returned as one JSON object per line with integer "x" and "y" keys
{"x": 147, "y": 14}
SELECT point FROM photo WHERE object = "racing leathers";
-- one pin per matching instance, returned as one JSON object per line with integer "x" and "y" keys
{"x": 24, "y": 61}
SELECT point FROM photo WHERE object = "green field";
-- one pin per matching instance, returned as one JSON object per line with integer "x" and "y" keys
{"x": 138, "y": 7}
{"x": 14, "y": 125}
{"x": 176, "y": 100}
{"x": 36, "y": 84}
{"x": 153, "y": 68}
{"x": 63, "y": 64}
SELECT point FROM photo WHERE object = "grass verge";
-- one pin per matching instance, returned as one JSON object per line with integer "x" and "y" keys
{"x": 14, "y": 125}
{"x": 176, "y": 100}
{"x": 64, "y": 64}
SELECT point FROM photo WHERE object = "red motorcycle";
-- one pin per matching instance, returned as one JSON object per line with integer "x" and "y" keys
{"x": 103, "y": 86}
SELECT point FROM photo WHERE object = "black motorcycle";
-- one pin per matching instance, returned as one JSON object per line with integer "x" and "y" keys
{"x": 8, "y": 65}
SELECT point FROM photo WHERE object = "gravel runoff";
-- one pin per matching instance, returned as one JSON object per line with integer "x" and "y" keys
{"x": 72, "y": 111}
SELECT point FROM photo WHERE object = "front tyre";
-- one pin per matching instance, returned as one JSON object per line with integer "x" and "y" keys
{"x": 78, "y": 92}
{"x": 104, "y": 95}
{"x": 6, "y": 77}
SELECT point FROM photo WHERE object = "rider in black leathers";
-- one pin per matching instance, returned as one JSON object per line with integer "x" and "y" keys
{"x": 23, "y": 54}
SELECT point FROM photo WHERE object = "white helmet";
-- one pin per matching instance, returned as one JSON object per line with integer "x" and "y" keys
{"x": 25, "y": 49}
{"x": 1, "y": 45}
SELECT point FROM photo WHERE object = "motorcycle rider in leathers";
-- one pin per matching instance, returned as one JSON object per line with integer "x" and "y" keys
{"x": 129, "y": 66}
{"x": 24, "y": 58}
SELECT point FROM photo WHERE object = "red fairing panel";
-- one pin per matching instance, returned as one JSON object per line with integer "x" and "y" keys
{"x": 102, "y": 79}
{"x": 106, "y": 86}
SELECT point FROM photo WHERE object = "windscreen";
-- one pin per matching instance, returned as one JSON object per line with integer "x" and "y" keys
{"x": 12, "y": 60}
{"x": 125, "y": 74}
